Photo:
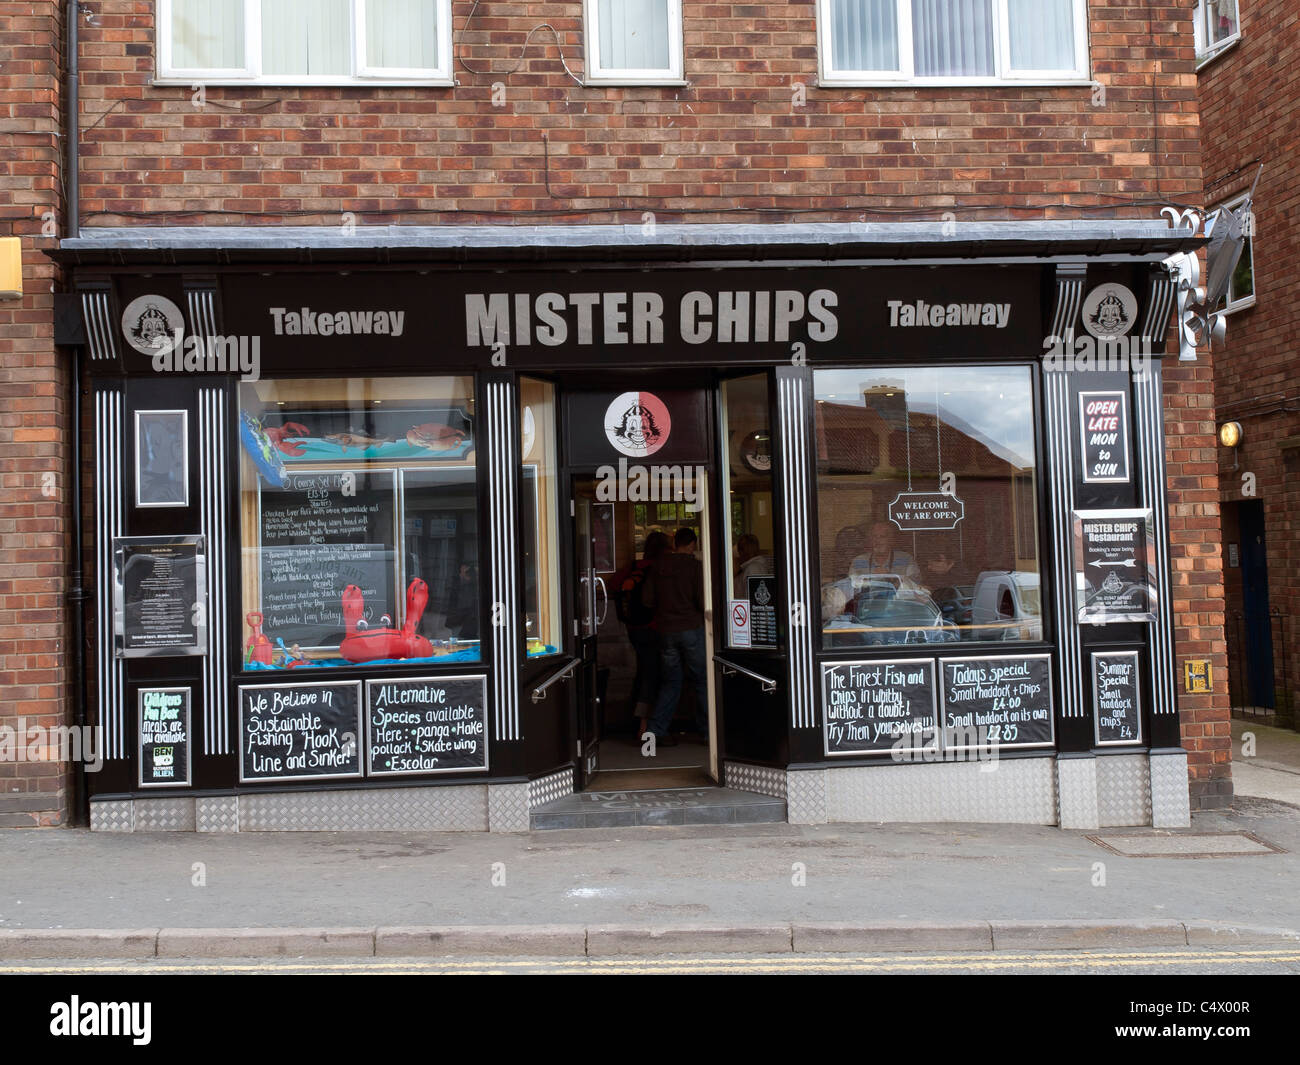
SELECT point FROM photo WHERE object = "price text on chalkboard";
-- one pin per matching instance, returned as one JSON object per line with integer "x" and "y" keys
{"x": 1116, "y": 701}
{"x": 300, "y": 731}
{"x": 164, "y": 737}
{"x": 1003, "y": 701}
{"x": 321, "y": 532}
{"x": 879, "y": 706}
{"x": 427, "y": 725}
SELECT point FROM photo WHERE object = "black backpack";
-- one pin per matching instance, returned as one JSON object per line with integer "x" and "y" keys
{"x": 627, "y": 602}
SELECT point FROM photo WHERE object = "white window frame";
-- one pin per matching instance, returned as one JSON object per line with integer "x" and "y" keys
{"x": 597, "y": 74}
{"x": 1003, "y": 74}
{"x": 251, "y": 72}
{"x": 1229, "y": 304}
{"x": 1206, "y": 52}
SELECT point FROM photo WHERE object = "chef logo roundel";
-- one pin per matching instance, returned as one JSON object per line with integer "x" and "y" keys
{"x": 638, "y": 424}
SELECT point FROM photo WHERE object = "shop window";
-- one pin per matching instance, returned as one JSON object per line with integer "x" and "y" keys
{"x": 359, "y": 518}
{"x": 1218, "y": 24}
{"x": 539, "y": 518}
{"x": 633, "y": 42}
{"x": 952, "y": 41}
{"x": 305, "y": 42}
{"x": 927, "y": 506}
{"x": 1241, "y": 286}
{"x": 750, "y": 520}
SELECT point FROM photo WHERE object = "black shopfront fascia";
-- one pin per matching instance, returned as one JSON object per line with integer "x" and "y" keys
{"x": 500, "y": 323}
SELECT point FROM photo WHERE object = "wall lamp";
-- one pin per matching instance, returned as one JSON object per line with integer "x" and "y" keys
{"x": 1230, "y": 434}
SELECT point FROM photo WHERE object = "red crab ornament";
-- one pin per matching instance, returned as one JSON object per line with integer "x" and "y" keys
{"x": 363, "y": 644}
{"x": 285, "y": 437}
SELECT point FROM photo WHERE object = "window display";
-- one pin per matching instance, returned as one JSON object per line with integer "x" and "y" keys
{"x": 359, "y": 516}
{"x": 539, "y": 518}
{"x": 927, "y": 510}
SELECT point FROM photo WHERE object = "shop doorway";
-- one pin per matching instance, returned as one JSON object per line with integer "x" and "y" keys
{"x": 1257, "y": 637}
{"x": 617, "y": 536}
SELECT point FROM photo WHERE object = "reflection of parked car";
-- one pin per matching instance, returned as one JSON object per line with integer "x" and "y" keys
{"x": 1007, "y": 606}
{"x": 888, "y": 610}
{"x": 955, "y": 601}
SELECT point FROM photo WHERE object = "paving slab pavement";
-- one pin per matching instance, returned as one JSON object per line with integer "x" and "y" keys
{"x": 744, "y": 888}
{"x": 1272, "y": 771}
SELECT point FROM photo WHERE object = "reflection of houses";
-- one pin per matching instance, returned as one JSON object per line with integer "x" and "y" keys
{"x": 864, "y": 455}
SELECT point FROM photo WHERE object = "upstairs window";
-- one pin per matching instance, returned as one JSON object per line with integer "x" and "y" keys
{"x": 634, "y": 42}
{"x": 952, "y": 42}
{"x": 1218, "y": 24}
{"x": 1241, "y": 286}
{"x": 305, "y": 42}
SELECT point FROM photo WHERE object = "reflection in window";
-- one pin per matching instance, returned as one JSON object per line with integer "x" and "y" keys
{"x": 359, "y": 520}
{"x": 751, "y": 574}
{"x": 927, "y": 505}
{"x": 539, "y": 521}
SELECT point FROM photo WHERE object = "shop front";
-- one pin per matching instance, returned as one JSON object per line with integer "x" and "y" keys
{"x": 367, "y": 523}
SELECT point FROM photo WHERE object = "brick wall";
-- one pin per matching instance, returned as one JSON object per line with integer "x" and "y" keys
{"x": 33, "y": 428}
{"x": 1249, "y": 99}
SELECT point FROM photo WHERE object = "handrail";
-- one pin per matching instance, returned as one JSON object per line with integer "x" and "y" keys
{"x": 539, "y": 693}
{"x": 769, "y": 685}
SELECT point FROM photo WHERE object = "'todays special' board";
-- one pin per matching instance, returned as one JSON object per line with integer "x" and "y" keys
{"x": 878, "y": 706}
{"x": 308, "y": 731}
{"x": 1002, "y": 701}
{"x": 427, "y": 725}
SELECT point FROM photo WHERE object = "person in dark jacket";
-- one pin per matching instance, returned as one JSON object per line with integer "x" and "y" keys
{"x": 675, "y": 591}
{"x": 638, "y": 618}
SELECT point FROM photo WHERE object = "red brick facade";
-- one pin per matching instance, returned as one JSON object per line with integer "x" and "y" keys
{"x": 1248, "y": 97}
{"x": 750, "y": 138}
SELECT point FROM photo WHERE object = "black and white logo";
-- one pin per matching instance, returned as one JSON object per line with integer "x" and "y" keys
{"x": 1109, "y": 311}
{"x": 151, "y": 324}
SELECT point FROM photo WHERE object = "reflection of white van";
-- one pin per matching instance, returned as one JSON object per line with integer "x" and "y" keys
{"x": 1008, "y": 605}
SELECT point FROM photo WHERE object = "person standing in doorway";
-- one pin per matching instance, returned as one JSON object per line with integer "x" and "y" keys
{"x": 638, "y": 618}
{"x": 675, "y": 591}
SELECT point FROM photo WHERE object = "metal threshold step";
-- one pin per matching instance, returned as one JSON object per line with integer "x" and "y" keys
{"x": 662, "y": 806}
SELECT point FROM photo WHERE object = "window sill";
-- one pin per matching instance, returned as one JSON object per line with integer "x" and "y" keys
{"x": 957, "y": 83}
{"x": 1206, "y": 59}
{"x": 644, "y": 83}
{"x": 1241, "y": 305}
{"x": 304, "y": 83}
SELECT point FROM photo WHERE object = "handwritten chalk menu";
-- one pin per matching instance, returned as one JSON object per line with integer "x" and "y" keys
{"x": 762, "y": 610}
{"x": 1116, "y": 701}
{"x": 427, "y": 725}
{"x": 321, "y": 532}
{"x": 1103, "y": 423}
{"x": 160, "y": 596}
{"x": 1113, "y": 576}
{"x": 878, "y": 706}
{"x": 300, "y": 731}
{"x": 1002, "y": 701}
{"x": 164, "y": 737}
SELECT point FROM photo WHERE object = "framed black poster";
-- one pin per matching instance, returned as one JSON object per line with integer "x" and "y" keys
{"x": 881, "y": 706}
{"x": 1103, "y": 430}
{"x": 1000, "y": 701}
{"x": 308, "y": 731}
{"x": 1114, "y": 566}
{"x": 762, "y": 610}
{"x": 1116, "y": 698}
{"x": 426, "y": 725}
{"x": 164, "y": 737}
{"x": 162, "y": 458}
{"x": 160, "y": 596}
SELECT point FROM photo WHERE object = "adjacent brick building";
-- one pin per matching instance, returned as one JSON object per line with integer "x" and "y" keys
{"x": 750, "y": 131}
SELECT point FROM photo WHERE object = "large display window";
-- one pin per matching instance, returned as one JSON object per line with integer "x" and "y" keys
{"x": 539, "y": 518}
{"x": 359, "y": 522}
{"x": 927, "y": 505}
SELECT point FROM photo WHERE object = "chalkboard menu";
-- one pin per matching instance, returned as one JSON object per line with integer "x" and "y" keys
{"x": 1103, "y": 423}
{"x": 426, "y": 725}
{"x": 762, "y": 611}
{"x": 1001, "y": 701}
{"x": 879, "y": 706}
{"x": 164, "y": 734}
{"x": 308, "y": 731}
{"x": 160, "y": 596}
{"x": 321, "y": 532}
{"x": 1113, "y": 553}
{"x": 1116, "y": 701}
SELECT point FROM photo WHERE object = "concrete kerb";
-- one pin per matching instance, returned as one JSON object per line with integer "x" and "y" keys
{"x": 575, "y": 941}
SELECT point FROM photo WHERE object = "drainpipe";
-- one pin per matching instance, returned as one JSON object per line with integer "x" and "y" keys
{"x": 76, "y": 590}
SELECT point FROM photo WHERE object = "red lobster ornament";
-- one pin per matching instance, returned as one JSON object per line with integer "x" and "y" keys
{"x": 362, "y": 644}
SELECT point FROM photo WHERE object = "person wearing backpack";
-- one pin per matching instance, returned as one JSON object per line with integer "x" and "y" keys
{"x": 639, "y": 619}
